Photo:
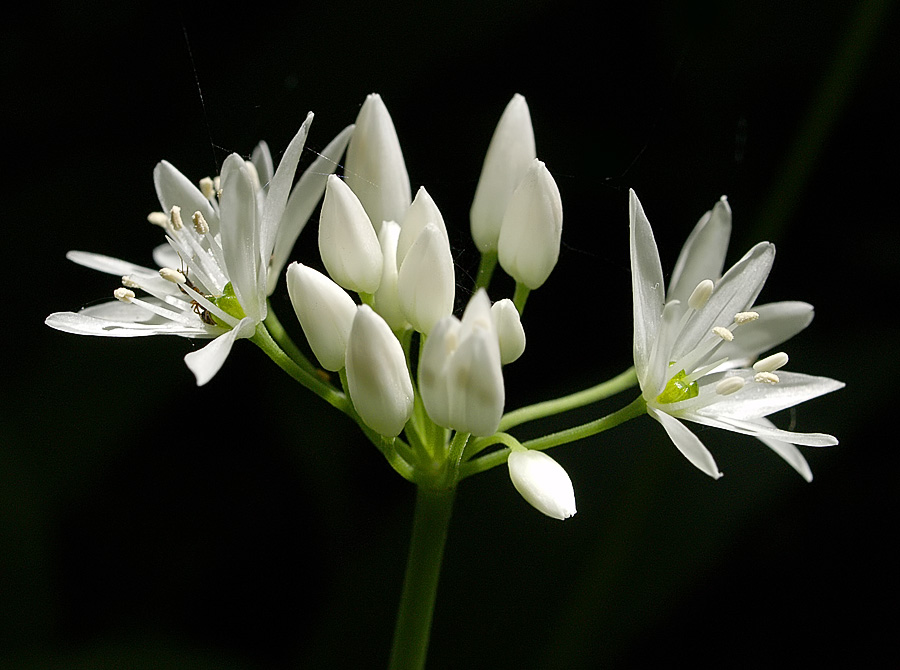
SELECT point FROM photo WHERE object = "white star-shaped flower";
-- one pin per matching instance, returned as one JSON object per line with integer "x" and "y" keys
{"x": 692, "y": 345}
{"x": 228, "y": 241}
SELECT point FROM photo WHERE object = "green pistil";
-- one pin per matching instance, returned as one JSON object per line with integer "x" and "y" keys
{"x": 229, "y": 304}
{"x": 677, "y": 389}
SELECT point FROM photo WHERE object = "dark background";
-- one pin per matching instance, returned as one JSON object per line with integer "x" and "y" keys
{"x": 146, "y": 523}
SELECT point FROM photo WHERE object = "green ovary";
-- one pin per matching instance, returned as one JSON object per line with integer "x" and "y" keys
{"x": 678, "y": 389}
{"x": 229, "y": 304}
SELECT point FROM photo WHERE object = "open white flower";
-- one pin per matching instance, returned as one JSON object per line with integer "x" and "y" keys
{"x": 684, "y": 343}
{"x": 224, "y": 240}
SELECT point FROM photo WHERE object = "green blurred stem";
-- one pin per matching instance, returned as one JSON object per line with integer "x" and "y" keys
{"x": 617, "y": 384}
{"x": 426, "y": 551}
{"x": 637, "y": 407}
{"x": 520, "y": 296}
{"x": 283, "y": 340}
{"x": 485, "y": 270}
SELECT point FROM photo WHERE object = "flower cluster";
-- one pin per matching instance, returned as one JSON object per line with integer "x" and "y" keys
{"x": 426, "y": 386}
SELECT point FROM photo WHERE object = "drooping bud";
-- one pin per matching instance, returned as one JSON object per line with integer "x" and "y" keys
{"x": 426, "y": 284}
{"x": 325, "y": 312}
{"x": 508, "y": 157}
{"x": 378, "y": 379}
{"x": 347, "y": 242}
{"x": 543, "y": 483}
{"x": 375, "y": 168}
{"x": 510, "y": 332}
{"x": 531, "y": 231}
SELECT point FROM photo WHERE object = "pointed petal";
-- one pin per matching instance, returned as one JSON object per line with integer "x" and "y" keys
{"x": 279, "y": 188}
{"x": 788, "y": 452}
{"x": 647, "y": 286}
{"x": 421, "y": 212}
{"x": 777, "y": 323}
{"x": 262, "y": 161}
{"x": 240, "y": 235}
{"x": 754, "y": 428}
{"x": 426, "y": 284}
{"x": 703, "y": 254}
{"x": 206, "y": 362}
{"x": 302, "y": 202}
{"x": 107, "y": 264}
{"x": 687, "y": 443}
{"x": 756, "y": 400}
{"x": 173, "y": 188}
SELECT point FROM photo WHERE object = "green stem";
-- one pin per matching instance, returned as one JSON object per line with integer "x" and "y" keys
{"x": 617, "y": 384}
{"x": 485, "y": 269}
{"x": 520, "y": 296}
{"x": 423, "y": 568}
{"x": 283, "y": 340}
{"x": 495, "y": 458}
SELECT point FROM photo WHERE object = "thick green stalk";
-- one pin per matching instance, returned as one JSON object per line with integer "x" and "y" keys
{"x": 423, "y": 568}
{"x": 485, "y": 270}
{"x": 283, "y": 340}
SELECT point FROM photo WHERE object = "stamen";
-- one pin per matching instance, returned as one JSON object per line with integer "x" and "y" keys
{"x": 217, "y": 184}
{"x": 124, "y": 294}
{"x": 766, "y": 378}
{"x": 771, "y": 363}
{"x": 158, "y": 219}
{"x": 745, "y": 317}
{"x": 724, "y": 333}
{"x": 173, "y": 276}
{"x": 701, "y": 294}
{"x": 207, "y": 188}
{"x": 129, "y": 282}
{"x": 175, "y": 218}
{"x": 729, "y": 385}
{"x": 200, "y": 224}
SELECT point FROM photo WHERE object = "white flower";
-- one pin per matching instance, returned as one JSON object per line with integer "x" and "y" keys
{"x": 508, "y": 158}
{"x": 377, "y": 376}
{"x": 215, "y": 269}
{"x": 531, "y": 230}
{"x": 683, "y": 346}
{"x": 374, "y": 168}
{"x": 426, "y": 284}
{"x": 543, "y": 483}
{"x": 460, "y": 374}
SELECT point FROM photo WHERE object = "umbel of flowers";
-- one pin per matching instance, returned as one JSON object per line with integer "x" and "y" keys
{"x": 426, "y": 385}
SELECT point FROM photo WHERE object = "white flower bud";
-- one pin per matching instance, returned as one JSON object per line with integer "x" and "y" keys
{"x": 378, "y": 379}
{"x": 508, "y": 157}
{"x": 325, "y": 312}
{"x": 374, "y": 168}
{"x": 347, "y": 242}
{"x": 426, "y": 285}
{"x": 460, "y": 375}
{"x": 386, "y": 301}
{"x": 510, "y": 333}
{"x": 532, "y": 228}
{"x": 421, "y": 212}
{"x": 543, "y": 483}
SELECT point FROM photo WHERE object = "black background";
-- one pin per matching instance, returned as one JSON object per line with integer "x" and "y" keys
{"x": 146, "y": 523}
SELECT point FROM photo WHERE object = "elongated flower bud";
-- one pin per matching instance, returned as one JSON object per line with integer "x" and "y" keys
{"x": 325, "y": 312}
{"x": 510, "y": 333}
{"x": 379, "y": 381}
{"x": 543, "y": 483}
{"x": 347, "y": 242}
{"x": 375, "y": 168}
{"x": 386, "y": 301}
{"x": 426, "y": 285}
{"x": 421, "y": 212}
{"x": 532, "y": 228}
{"x": 460, "y": 374}
{"x": 509, "y": 154}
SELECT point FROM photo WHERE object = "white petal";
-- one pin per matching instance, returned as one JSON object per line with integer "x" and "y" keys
{"x": 80, "y": 323}
{"x": 756, "y": 400}
{"x": 206, "y": 362}
{"x": 107, "y": 264}
{"x": 433, "y": 379}
{"x": 426, "y": 284}
{"x": 421, "y": 212}
{"x": 375, "y": 169}
{"x": 510, "y": 333}
{"x": 777, "y": 323}
{"x": 687, "y": 443}
{"x": 788, "y": 452}
{"x": 543, "y": 483}
{"x": 647, "y": 286}
{"x": 703, "y": 254}
{"x": 173, "y": 188}
{"x": 754, "y": 428}
{"x": 508, "y": 158}
{"x": 476, "y": 393}
{"x": 386, "y": 300}
{"x": 303, "y": 201}
{"x": 240, "y": 235}
{"x": 262, "y": 161}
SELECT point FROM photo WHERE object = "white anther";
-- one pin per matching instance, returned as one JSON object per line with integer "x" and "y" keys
{"x": 158, "y": 219}
{"x": 745, "y": 317}
{"x": 175, "y": 218}
{"x": 701, "y": 294}
{"x": 129, "y": 282}
{"x": 766, "y": 378}
{"x": 171, "y": 275}
{"x": 200, "y": 224}
{"x": 724, "y": 333}
{"x": 771, "y": 363}
{"x": 207, "y": 188}
{"x": 124, "y": 294}
{"x": 729, "y": 385}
